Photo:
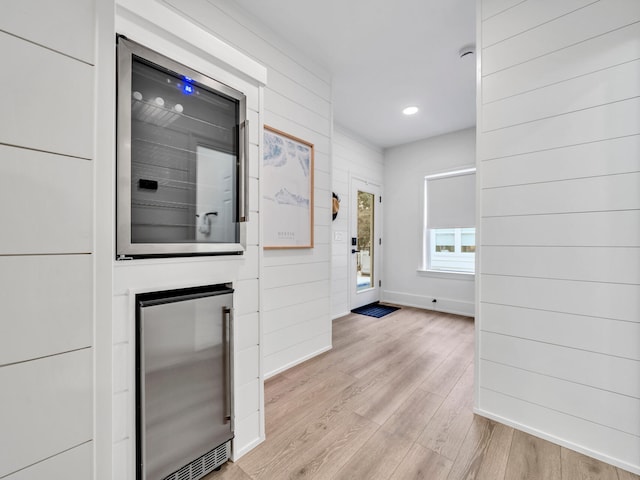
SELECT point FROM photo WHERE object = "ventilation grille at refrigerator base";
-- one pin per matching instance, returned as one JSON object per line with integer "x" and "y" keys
{"x": 204, "y": 464}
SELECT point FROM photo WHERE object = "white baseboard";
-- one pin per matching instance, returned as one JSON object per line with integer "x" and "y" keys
{"x": 296, "y": 362}
{"x": 446, "y": 305}
{"x": 237, "y": 455}
{"x": 339, "y": 315}
{"x": 560, "y": 441}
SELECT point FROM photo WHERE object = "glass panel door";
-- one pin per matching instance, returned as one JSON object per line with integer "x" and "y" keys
{"x": 365, "y": 243}
{"x": 366, "y": 222}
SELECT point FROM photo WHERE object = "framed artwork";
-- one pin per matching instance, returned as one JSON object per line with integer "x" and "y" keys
{"x": 287, "y": 191}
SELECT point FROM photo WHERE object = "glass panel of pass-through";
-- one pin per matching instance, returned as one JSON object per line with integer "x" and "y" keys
{"x": 184, "y": 150}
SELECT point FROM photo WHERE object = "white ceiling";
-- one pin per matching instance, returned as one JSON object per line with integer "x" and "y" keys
{"x": 384, "y": 55}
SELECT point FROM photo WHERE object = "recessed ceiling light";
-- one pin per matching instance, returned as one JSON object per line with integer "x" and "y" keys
{"x": 410, "y": 110}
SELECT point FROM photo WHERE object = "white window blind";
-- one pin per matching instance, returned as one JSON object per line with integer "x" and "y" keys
{"x": 451, "y": 200}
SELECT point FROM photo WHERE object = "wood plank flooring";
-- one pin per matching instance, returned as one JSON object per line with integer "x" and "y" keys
{"x": 393, "y": 400}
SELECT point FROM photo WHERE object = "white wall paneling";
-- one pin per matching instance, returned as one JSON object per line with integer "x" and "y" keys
{"x": 559, "y": 295}
{"x": 292, "y": 335}
{"x": 247, "y": 434}
{"x": 601, "y": 371}
{"x": 121, "y": 461}
{"x": 602, "y": 193}
{"x": 608, "y": 157}
{"x": 281, "y": 297}
{"x": 247, "y": 366}
{"x": 592, "y": 264}
{"x": 598, "y": 53}
{"x": 246, "y": 296}
{"x": 45, "y": 202}
{"x": 618, "y": 83}
{"x": 107, "y": 330}
{"x": 248, "y": 399}
{"x": 123, "y": 418}
{"x": 47, "y": 408}
{"x": 594, "y": 334}
{"x": 51, "y": 26}
{"x": 74, "y": 464}
{"x": 617, "y": 411}
{"x": 37, "y": 74}
{"x": 495, "y": 7}
{"x": 319, "y": 253}
{"x": 287, "y": 316}
{"x": 46, "y": 258}
{"x": 608, "y": 300}
{"x": 287, "y": 358}
{"x": 286, "y": 275}
{"x": 557, "y": 31}
{"x": 404, "y": 172}
{"x": 619, "y": 119}
{"x": 539, "y": 230}
{"x": 247, "y": 330}
{"x": 528, "y": 16}
{"x": 46, "y": 305}
{"x": 292, "y": 109}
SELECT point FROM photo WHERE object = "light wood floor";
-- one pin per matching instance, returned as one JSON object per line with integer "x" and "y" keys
{"x": 393, "y": 400}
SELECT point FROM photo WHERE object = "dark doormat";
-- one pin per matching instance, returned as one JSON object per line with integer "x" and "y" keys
{"x": 375, "y": 310}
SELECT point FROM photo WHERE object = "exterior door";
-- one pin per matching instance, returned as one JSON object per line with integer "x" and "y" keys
{"x": 365, "y": 243}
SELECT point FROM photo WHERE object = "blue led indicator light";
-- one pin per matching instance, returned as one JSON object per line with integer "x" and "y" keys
{"x": 187, "y": 89}
{"x": 187, "y": 79}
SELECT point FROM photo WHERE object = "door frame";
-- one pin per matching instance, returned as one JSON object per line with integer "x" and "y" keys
{"x": 357, "y": 299}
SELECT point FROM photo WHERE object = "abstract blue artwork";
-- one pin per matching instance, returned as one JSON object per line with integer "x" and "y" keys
{"x": 287, "y": 191}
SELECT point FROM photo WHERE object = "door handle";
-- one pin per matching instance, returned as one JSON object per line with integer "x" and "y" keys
{"x": 228, "y": 362}
{"x": 353, "y": 250}
{"x": 243, "y": 174}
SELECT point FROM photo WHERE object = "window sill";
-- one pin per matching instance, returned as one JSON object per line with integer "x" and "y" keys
{"x": 447, "y": 274}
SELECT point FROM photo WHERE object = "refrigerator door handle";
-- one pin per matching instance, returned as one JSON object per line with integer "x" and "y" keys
{"x": 228, "y": 359}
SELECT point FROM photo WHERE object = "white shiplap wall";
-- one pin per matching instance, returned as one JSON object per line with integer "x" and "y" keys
{"x": 46, "y": 246}
{"x": 404, "y": 170}
{"x": 295, "y": 288}
{"x": 352, "y": 158}
{"x": 559, "y": 166}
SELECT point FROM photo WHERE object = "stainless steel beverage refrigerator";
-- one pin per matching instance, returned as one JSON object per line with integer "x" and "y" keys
{"x": 184, "y": 378}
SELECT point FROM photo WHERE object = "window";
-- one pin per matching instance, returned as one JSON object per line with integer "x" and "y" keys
{"x": 452, "y": 249}
{"x": 449, "y": 223}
